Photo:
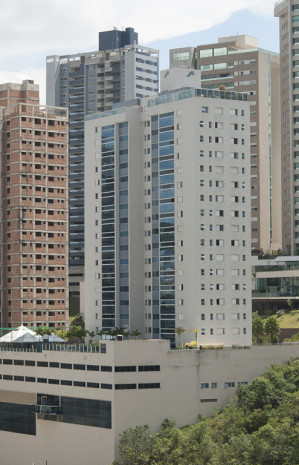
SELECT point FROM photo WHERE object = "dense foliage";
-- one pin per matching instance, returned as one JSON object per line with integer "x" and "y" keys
{"x": 265, "y": 330}
{"x": 260, "y": 428}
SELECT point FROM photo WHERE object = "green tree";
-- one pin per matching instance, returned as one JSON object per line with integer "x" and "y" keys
{"x": 61, "y": 333}
{"x": 272, "y": 329}
{"x": 76, "y": 334}
{"x": 78, "y": 320}
{"x": 258, "y": 329}
{"x": 290, "y": 304}
{"x": 260, "y": 429}
{"x": 135, "y": 446}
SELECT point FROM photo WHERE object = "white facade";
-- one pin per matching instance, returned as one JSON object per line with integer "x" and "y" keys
{"x": 128, "y": 383}
{"x": 178, "y": 250}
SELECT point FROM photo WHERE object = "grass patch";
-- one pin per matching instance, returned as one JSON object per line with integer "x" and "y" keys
{"x": 289, "y": 320}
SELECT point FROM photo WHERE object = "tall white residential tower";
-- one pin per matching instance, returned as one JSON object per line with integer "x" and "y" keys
{"x": 167, "y": 215}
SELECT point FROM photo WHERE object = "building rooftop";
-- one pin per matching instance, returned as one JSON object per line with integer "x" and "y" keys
{"x": 173, "y": 96}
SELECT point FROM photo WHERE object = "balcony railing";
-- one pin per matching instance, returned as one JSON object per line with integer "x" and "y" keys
{"x": 46, "y": 409}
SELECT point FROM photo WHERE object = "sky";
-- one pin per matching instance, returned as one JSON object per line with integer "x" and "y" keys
{"x": 30, "y": 30}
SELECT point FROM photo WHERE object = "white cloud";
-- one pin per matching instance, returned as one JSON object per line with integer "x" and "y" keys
{"x": 32, "y": 29}
{"x": 41, "y": 25}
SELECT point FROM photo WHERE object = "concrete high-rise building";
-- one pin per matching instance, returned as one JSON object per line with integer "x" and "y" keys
{"x": 236, "y": 63}
{"x": 87, "y": 83}
{"x": 288, "y": 13}
{"x": 167, "y": 209}
{"x": 34, "y": 209}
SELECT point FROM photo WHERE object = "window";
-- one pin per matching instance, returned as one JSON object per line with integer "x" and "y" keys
{"x": 229, "y": 384}
{"x": 220, "y": 51}
{"x": 93, "y": 385}
{"x": 180, "y": 56}
{"x": 30, "y": 363}
{"x": 121, "y": 369}
{"x": 79, "y": 366}
{"x": 106, "y": 386}
{"x": 93, "y": 368}
{"x": 149, "y": 368}
{"x": 66, "y": 382}
{"x": 17, "y": 418}
{"x": 79, "y": 383}
{"x": 106, "y": 368}
{"x": 42, "y": 364}
{"x": 54, "y": 365}
{"x": 204, "y": 386}
{"x": 149, "y": 386}
{"x": 125, "y": 386}
{"x": 66, "y": 366}
{"x": 53, "y": 381}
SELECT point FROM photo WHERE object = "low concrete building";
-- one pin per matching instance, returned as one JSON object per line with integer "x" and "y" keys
{"x": 276, "y": 284}
{"x": 85, "y": 397}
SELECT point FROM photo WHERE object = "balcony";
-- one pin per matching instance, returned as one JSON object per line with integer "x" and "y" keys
{"x": 281, "y": 292}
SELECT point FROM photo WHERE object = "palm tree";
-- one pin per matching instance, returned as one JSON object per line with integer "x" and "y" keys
{"x": 135, "y": 333}
{"x": 102, "y": 332}
{"x": 258, "y": 329}
{"x": 196, "y": 331}
{"x": 39, "y": 331}
{"x": 272, "y": 329}
{"x": 91, "y": 334}
{"x": 179, "y": 331}
{"x": 119, "y": 331}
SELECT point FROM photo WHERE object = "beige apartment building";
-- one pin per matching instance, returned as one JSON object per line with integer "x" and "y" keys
{"x": 238, "y": 64}
{"x": 288, "y": 13}
{"x": 70, "y": 405}
{"x": 34, "y": 209}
